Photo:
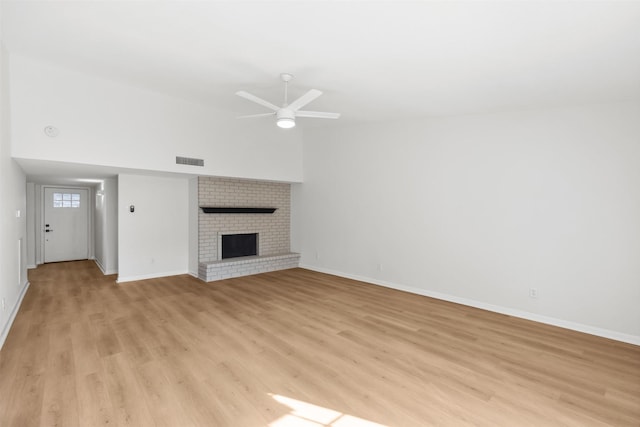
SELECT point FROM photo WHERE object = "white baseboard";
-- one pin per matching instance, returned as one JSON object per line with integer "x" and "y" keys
{"x": 579, "y": 327}
{"x": 105, "y": 272}
{"x": 150, "y": 276}
{"x": 12, "y": 316}
{"x": 99, "y": 264}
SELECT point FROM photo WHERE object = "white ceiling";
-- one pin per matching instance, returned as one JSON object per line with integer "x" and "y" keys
{"x": 373, "y": 60}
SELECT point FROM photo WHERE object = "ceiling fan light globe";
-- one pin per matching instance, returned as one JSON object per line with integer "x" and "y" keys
{"x": 286, "y": 123}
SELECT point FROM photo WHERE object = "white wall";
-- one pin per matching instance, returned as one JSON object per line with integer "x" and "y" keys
{"x": 100, "y": 229}
{"x": 479, "y": 209}
{"x": 106, "y": 226}
{"x": 102, "y": 122}
{"x": 31, "y": 224}
{"x": 13, "y": 233}
{"x": 153, "y": 241}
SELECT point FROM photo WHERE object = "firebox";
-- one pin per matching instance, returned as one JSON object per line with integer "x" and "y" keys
{"x": 238, "y": 245}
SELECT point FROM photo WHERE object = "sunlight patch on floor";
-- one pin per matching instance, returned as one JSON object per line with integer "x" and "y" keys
{"x": 305, "y": 414}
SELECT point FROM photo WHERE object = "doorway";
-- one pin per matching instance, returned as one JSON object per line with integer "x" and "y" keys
{"x": 65, "y": 224}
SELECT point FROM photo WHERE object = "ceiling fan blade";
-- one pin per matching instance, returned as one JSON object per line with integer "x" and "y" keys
{"x": 317, "y": 114}
{"x": 304, "y": 99}
{"x": 247, "y": 95}
{"x": 248, "y": 116}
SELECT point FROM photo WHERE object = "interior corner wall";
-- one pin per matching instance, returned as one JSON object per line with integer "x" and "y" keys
{"x": 106, "y": 226}
{"x": 31, "y": 224}
{"x": 36, "y": 227}
{"x": 193, "y": 226}
{"x": 13, "y": 231}
{"x": 481, "y": 209}
{"x": 153, "y": 240}
{"x": 111, "y": 249}
{"x": 109, "y": 123}
{"x": 100, "y": 219}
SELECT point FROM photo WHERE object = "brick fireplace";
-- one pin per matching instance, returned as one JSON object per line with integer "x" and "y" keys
{"x": 273, "y": 229}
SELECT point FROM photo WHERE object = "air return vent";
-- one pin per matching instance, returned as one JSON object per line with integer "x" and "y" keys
{"x": 189, "y": 161}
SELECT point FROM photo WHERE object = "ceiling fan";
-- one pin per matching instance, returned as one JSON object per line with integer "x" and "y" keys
{"x": 286, "y": 115}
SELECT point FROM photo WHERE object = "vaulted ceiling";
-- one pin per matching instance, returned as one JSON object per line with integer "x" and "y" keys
{"x": 373, "y": 60}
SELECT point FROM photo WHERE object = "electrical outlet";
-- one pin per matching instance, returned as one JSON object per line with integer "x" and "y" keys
{"x": 533, "y": 293}
{"x": 4, "y": 307}
{"x": 379, "y": 266}
{"x": 317, "y": 255}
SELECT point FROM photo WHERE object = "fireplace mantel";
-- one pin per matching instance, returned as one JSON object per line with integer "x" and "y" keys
{"x": 232, "y": 210}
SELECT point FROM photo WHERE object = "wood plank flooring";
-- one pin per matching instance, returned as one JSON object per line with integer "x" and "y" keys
{"x": 294, "y": 348}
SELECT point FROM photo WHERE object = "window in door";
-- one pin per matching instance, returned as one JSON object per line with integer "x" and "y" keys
{"x": 66, "y": 200}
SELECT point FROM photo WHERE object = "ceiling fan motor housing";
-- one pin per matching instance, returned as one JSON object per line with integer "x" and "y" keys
{"x": 285, "y": 113}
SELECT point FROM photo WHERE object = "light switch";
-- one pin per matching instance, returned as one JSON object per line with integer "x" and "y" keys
{"x": 18, "y": 213}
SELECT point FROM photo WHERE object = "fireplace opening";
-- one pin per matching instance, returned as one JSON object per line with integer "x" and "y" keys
{"x": 237, "y": 245}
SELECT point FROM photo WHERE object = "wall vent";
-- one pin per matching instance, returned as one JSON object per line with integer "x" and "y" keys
{"x": 189, "y": 161}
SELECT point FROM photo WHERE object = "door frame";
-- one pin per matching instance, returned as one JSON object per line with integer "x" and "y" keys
{"x": 40, "y": 228}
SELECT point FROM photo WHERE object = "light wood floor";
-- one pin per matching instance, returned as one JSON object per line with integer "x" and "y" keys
{"x": 294, "y": 348}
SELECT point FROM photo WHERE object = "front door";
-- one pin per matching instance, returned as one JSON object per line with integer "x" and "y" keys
{"x": 66, "y": 222}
